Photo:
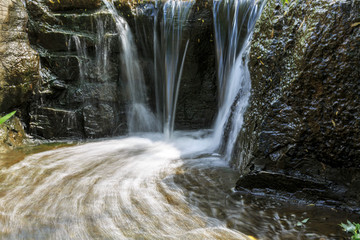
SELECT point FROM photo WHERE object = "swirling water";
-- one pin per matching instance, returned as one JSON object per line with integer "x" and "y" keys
{"x": 142, "y": 187}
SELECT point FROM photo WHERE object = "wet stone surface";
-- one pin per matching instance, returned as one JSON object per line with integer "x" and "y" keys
{"x": 81, "y": 71}
{"x": 303, "y": 119}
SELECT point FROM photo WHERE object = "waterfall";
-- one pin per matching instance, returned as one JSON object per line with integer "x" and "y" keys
{"x": 82, "y": 56}
{"x": 234, "y": 21}
{"x": 139, "y": 116}
{"x": 103, "y": 47}
{"x": 169, "y": 57}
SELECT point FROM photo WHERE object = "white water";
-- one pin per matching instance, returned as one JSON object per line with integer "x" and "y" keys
{"x": 234, "y": 21}
{"x": 115, "y": 189}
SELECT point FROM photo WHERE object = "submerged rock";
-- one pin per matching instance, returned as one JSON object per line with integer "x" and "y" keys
{"x": 303, "y": 117}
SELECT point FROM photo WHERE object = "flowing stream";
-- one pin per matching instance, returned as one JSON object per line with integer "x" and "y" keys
{"x": 142, "y": 187}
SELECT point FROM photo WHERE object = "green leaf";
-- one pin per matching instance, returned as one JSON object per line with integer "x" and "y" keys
{"x": 357, "y": 226}
{"x": 356, "y": 236}
{"x": 349, "y": 227}
{"x": 6, "y": 117}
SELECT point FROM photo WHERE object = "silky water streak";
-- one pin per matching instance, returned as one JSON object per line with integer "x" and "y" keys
{"x": 234, "y": 22}
{"x": 169, "y": 58}
{"x": 139, "y": 116}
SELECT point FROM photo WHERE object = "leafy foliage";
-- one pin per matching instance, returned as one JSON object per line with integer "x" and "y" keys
{"x": 6, "y": 117}
{"x": 284, "y": 1}
{"x": 353, "y": 228}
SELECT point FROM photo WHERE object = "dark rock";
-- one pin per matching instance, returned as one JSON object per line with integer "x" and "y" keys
{"x": 303, "y": 116}
{"x": 75, "y": 81}
{"x": 55, "y": 123}
{"x": 99, "y": 120}
{"x": 197, "y": 103}
{"x": 61, "y": 5}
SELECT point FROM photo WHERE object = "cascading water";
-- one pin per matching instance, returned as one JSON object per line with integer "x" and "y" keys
{"x": 234, "y": 21}
{"x": 103, "y": 48}
{"x": 82, "y": 56}
{"x": 139, "y": 116}
{"x": 169, "y": 57}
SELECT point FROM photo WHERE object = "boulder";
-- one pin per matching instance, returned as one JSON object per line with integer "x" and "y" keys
{"x": 12, "y": 135}
{"x": 19, "y": 75}
{"x": 303, "y": 118}
{"x": 19, "y": 63}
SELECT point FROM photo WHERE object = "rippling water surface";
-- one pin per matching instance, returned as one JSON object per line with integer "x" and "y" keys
{"x": 142, "y": 188}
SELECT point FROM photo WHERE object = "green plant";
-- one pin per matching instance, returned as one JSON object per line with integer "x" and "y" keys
{"x": 284, "y": 1}
{"x": 6, "y": 117}
{"x": 353, "y": 228}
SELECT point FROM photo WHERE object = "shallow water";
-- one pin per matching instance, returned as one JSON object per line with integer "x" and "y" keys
{"x": 142, "y": 187}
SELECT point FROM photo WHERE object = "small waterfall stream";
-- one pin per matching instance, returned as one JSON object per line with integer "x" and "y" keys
{"x": 140, "y": 117}
{"x": 234, "y": 21}
{"x": 169, "y": 57}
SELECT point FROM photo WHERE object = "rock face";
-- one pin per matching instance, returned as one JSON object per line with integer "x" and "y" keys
{"x": 18, "y": 61}
{"x": 82, "y": 86}
{"x": 18, "y": 71}
{"x": 304, "y": 115}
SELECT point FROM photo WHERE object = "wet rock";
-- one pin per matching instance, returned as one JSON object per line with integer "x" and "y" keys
{"x": 197, "y": 100}
{"x": 80, "y": 87}
{"x": 12, "y": 134}
{"x": 197, "y": 103}
{"x": 99, "y": 120}
{"x": 295, "y": 188}
{"x": 81, "y": 67}
{"x": 303, "y": 116}
{"x": 56, "y": 123}
{"x": 61, "y": 5}
{"x": 18, "y": 61}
